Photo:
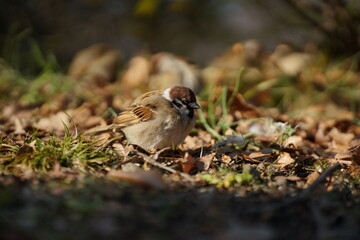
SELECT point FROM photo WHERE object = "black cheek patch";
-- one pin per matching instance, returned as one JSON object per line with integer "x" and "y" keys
{"x": 191, "y": 113}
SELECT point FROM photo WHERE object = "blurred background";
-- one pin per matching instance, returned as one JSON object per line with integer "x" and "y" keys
{"x": 199, "y": 30}
{"x": 285, "y": 54}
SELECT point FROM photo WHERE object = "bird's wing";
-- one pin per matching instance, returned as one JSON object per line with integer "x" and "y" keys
{"x": 133, "y": 115}
{"x": 147, "y": 95}
{"x": 128, "y": 117}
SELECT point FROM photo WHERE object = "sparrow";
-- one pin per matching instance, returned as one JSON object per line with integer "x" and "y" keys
{"x": 157, "y": 119}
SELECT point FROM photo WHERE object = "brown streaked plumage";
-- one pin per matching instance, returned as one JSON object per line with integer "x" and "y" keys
{"x": 158, "y": 119}
{"x": 133, "y": 115}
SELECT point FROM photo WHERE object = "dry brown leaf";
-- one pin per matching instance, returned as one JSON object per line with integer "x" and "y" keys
{"x": 169, "y": 70}
{"x": 320, "y": 136}
{"x": 54, "y": 122}
{"x": 340, "y": 138}
{"x": 192, "y": 142}
{"x": 93, "y": 121}
{"x": 122, "y": 150}
{"x": 343, "y": 156}
{"x": 355, "y": 151}
{"x": 293, "y": 178}
{"x": 350, "y": 155}
{"x": 204, "y": 162}
{"x": 58, "y": 102}
{"x": 9, "y": 110}
{"x": 312, "y": 177}
{"x": 19, "y": 128}
{"x": 137, "y": 73}
{"x": 285, "y": 159}
{"x": 130, "y": 167}
{"x": 32, "y": 145}
{"x": 142, "y": 178}
{"x": 260, "y": 156}
{"x": 354, "y": 170}
{"x": 97, "y": 63}
{"x": 225, "y": 158}
{"x": 240, "y": 108}
{"x": 293, "y": 64}
{"x": 188, "y": 163}
{"x": 80, "y": 114}
{"x": 206, "y": 137}
{"x": 264, "y": 139}
{"x": 294, "y": 141}
{"x": 23, "y": 171}
{"x": 18, "y": 119}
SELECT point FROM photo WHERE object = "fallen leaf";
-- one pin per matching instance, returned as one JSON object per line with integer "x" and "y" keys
{"x": 312, "y": 178}
{"x": 19, "y": 128}
{"x": 261, "y": 156}
{"x": 293, "y": 64}
{"x": 294, "y": 141}
{"x": 355, "y": 151}
{"x": 169, "y": 70}
{"x": 188, "y": 163}
{"x": 320, "y": 136}
{"x": 142, "y": 178}
{"x": 130, "y": 167}
{"x": 122, "y": 150}
{"x": 285, "y": 159}
{"x": 98, "y": 63}
{"x": 354, "y": 170}
{"x": 341, "y": 138}
{"x": 344, "y": 156}
{"x": 258, "y": 155}
{"x": 54, "y": 122}
{"x": 192, "y": 142}
{"x": 137, "y": 73}
{"x": 239, "y": 105}
{"x": 225, "y": 158}
{"x": 351, "y": 155}
{"x": 204, "y": 162}
{"x": 293, "y": 178}
{"x": 205, "y": 137}
{"x": 23, "y": 171}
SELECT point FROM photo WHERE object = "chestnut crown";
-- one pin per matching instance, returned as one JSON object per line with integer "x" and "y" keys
{"x": 184, "y": 94}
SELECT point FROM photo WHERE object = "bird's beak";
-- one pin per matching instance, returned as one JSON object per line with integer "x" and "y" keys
{"x": 194, "y": 105}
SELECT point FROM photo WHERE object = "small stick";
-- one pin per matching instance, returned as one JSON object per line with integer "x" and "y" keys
{"x": 303, "y": 195}
{"x": 330, "y": 171}
{"x": 152, "y": 161}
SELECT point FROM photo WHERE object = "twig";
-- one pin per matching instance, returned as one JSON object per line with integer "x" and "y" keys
{"x": 322, "y": 178}
{"x": 303, "y": 195}
{"x": 152, "y": 161}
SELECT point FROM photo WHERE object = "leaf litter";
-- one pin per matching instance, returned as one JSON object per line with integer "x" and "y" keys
{"x": 241, "y": 166}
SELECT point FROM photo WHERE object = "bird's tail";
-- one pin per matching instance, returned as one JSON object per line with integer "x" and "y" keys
{"x": 101, "y": 130}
